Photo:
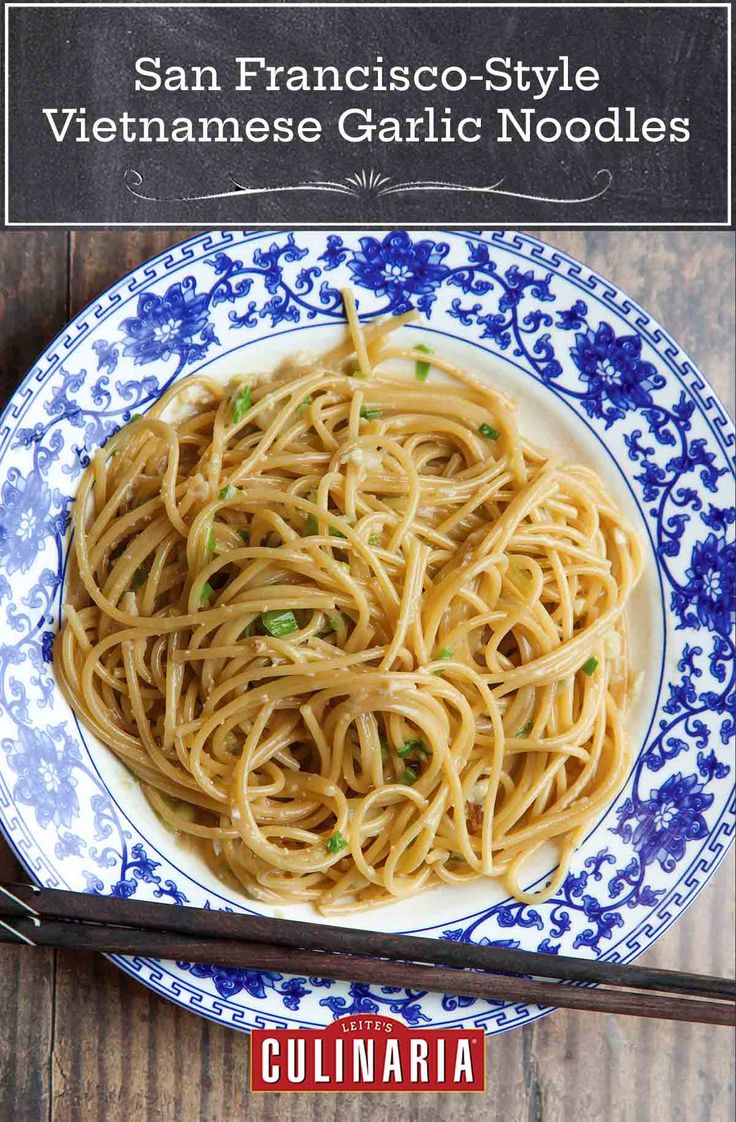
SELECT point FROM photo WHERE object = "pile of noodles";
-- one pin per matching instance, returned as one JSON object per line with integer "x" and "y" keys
{"x": 352, "y": 631}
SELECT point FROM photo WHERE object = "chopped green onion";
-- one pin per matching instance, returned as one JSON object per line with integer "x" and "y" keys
{"x": 211, "y": 542}
{"x": 368, "y": 413}
{"x": 421, "y": 369}
{"x": 358, "y": 373}
{"x": 228, "y": 492}
{"x": 384, "y": 748}
{"x": 244, "y": 535}
{"x": 446, "y": 652}
{"x": 408, "y": 776}
{"x": 241, "y": 403}
{"x": 333, "y": 623}
{"x": 184, "y": 811}
{"x": 139, "y": 577}
{"x": 589, "y": 667}
{"x": 456, "y": 857}
{"x": 278, "y": 622}
{"x": 136, "y": 416}
{"x": 525, "y": 729}
{"x": 344, "y": 565}
{"x": 311, "y": 527}
{"x": 486, "y": 430}
{"x": 305, "y": 404}
{"x": 206, "y": 592}
{"x": 336, "y": 842}
{"x": 413, "y": 746}
{"x": 374, "y": 539}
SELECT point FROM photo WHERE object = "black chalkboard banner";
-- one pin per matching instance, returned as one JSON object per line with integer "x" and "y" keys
{"x": 366, "y": 114}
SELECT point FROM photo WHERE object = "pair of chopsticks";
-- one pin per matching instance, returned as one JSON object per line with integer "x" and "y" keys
{"x": 48, "y": 917}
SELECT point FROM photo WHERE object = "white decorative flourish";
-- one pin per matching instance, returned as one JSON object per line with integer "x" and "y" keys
{"x": 603, "y": 174}
{"x": 372, "y": 183}
{"x": 133, "y": 181}
{"x": 369, "y": 181}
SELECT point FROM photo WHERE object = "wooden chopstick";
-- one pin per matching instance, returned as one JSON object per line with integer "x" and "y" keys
{"x": 239, "y": 954}
{"x": 299, "y": 935}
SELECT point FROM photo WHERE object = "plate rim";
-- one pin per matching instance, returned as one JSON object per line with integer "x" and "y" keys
{"x": 511, "y": 241}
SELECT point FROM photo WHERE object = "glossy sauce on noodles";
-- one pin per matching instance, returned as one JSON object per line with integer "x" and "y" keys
{"x": 352, "y": 631}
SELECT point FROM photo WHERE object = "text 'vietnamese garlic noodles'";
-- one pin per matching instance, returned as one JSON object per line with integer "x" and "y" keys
{"x": 350, "y": 629}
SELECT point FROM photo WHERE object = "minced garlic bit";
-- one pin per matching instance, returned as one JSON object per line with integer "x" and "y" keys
{"x": 198, "y": 487}
{"x": 478, "y": 792}
{"x": 612, "y": 644}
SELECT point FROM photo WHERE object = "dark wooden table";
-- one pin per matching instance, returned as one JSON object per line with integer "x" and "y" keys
{"x": 82, "y": 1042}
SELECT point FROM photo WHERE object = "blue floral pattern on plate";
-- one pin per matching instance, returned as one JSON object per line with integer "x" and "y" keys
{"x": 590, "y": 348}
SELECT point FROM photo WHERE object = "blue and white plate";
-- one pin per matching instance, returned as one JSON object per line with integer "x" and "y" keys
{"x": 595, "y": 378}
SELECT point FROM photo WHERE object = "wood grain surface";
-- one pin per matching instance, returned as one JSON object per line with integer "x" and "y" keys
{"x": 82, "y": 1042}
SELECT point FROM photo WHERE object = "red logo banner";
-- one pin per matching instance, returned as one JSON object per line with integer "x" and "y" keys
{"x": 367, "y": 1053}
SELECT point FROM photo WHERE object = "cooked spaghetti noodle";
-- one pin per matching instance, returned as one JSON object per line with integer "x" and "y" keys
{"x": 351, "y": 630}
